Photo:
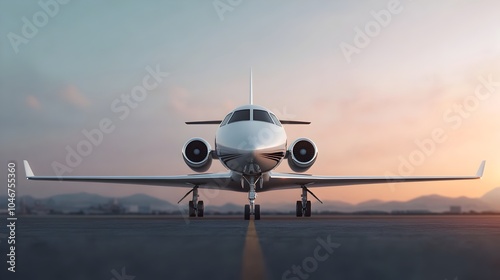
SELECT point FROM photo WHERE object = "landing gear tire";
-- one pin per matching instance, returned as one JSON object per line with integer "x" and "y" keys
{"x": 192, "y": 211}
{"x": 201, "y": 208}
{"x": 307, "y": 213}
{"x": 247, "y": 211}
{"x": 298, "y": 209}
{"x": 257, "y": 212}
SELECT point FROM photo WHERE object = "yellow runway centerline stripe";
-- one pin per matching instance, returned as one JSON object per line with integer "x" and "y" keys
{"x": 253, "y": 261}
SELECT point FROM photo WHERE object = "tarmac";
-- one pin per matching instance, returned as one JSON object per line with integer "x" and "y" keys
{"x": 276, "y": 247}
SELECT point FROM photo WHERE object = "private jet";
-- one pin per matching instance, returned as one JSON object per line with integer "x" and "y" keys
{"x": 251, "y": 143}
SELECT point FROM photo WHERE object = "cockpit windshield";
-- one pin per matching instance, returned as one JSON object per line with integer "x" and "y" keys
{"x": 245, "y": 115}
{"x": 225, "y": 120}
{"x": 275, "y": 119}
{"x": 240, "y": 115}
{"x": 261, "y": 115}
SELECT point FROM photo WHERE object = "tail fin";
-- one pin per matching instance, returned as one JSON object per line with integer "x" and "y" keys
{"x": 251, "y": 88}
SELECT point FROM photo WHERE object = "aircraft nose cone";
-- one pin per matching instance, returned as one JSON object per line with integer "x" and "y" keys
{"x": 251, "y": 147}
{"x": 262, "y": 138}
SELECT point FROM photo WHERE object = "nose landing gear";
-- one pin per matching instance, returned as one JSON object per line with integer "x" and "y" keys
{"x": 252, "y": 208}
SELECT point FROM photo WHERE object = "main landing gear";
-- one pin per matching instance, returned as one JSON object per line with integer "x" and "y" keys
{"x": 303, "y": 207}
{"x": 196, "y": 208}
{"x": 252, "y": 208}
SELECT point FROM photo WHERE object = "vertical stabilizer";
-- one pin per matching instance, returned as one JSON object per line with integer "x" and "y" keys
{"x": 251, "y": 88}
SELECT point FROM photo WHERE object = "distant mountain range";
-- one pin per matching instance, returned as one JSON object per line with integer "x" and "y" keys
{"x": 434, "y": 203}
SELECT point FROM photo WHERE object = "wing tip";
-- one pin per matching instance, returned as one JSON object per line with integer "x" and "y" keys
{"x": 27, "y": 169}
{"x": 480, "y": 171}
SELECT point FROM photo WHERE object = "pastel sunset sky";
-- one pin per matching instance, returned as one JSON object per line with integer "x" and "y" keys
{"x": 377, "y": 79}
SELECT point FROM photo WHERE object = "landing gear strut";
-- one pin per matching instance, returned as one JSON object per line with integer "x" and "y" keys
{"x": 252, "y": 208}
{"x": 195, "y": 207}
{"x": 303, "y": 207}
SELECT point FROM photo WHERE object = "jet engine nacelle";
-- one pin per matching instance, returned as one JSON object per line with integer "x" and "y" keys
{"x": 197, "y": 154}
{"x": 302, "y": 154}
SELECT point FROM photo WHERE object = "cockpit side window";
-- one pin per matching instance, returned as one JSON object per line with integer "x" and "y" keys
{"x": 261, "y": 115}
{"x": 226, "y": 119}
{"x": 275, "y": 119}
{"x": 240, "y": 115}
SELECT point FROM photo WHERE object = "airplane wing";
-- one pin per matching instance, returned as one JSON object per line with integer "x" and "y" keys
{"x": 222, "y": 181}
{"x": 205, "y": 122}
{"x": 279, "y": 181}
{"x": 294, "y": 122}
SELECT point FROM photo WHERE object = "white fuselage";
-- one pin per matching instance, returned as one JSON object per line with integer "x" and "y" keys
{"x": 252, "y": 142}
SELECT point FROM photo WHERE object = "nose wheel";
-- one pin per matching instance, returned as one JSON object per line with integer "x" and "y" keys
{"x": 257, "y": 212}
{"x": 248, "y": 212}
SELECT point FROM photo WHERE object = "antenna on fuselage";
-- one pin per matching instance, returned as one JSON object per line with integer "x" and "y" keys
{"x": 251, "y": 88}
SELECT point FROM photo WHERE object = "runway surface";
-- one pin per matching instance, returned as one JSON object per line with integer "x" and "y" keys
{"x": 278, "y": 247}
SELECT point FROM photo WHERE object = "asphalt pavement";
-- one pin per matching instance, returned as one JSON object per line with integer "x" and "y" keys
{"x": 276, "y": 247}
